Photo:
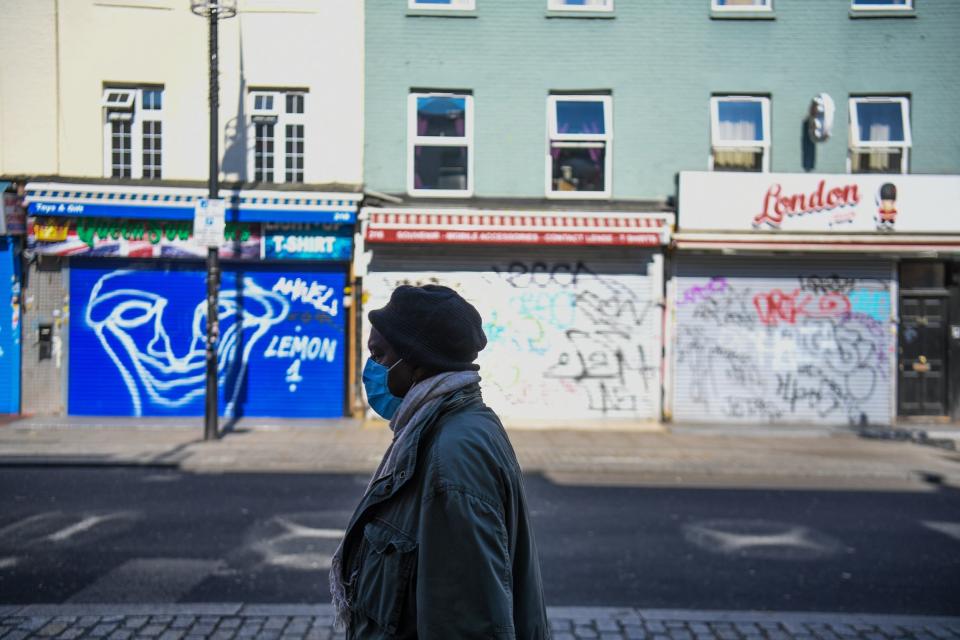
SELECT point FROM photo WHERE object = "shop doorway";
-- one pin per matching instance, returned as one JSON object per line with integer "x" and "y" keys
{"x": 924, "y": 318}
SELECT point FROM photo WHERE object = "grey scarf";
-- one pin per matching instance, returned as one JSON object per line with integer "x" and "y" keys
{"x": 422, "y": 399}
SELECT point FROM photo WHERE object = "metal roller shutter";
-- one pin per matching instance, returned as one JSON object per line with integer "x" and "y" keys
{"x": 9, "y": 329}
{"x": 783, "y": 340}
{"x": 138, "y": 331}
{"x": 572, "y": 335}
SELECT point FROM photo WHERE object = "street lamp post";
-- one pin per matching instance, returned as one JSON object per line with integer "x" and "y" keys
{"x": 213, "y": 10}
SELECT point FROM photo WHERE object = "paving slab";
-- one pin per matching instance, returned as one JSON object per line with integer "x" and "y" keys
{"x": 212, "y": 621}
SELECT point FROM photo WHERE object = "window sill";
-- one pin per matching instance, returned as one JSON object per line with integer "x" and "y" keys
{"x": 439, "y": 193}
{"x": 883, "y": 13}
{"x": 742, "y": 15}
{"x": 578, "y": 195}
{"x": 589, "y": 15}
{"x": 441, "y": 13}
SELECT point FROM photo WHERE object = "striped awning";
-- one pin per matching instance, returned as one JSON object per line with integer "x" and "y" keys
{"x": 172, "y": 203}
{"x": 477, "y": 226}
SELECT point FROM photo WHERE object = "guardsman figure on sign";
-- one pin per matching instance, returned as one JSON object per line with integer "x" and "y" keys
{"x": 887, "y": 206}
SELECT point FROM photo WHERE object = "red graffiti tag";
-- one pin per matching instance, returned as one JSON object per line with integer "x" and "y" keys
{"x": 775, "y": 306}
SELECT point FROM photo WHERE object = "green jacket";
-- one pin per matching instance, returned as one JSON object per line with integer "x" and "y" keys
{"x": 441, "y": 547}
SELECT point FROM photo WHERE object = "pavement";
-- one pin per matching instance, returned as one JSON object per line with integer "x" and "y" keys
{"x": 634, "y": 455}
{"x": 315, "y": 622}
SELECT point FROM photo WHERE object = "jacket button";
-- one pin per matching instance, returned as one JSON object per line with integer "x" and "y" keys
{"x": 387, "y": 487}
{"x": 402, "y": 475}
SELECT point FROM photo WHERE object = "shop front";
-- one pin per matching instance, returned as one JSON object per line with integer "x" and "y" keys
{"x": 131, "y": 321}
{"x": 571, "y": 302}
{"x": 797, "y": 298}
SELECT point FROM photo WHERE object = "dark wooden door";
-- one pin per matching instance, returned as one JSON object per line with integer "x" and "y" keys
{"x": 923, "y": 356}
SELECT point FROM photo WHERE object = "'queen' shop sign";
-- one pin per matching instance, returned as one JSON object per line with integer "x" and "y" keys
{"x": 840, "y": 203}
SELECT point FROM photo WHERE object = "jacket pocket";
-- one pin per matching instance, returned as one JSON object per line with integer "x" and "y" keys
{"x": 383, "y": 581}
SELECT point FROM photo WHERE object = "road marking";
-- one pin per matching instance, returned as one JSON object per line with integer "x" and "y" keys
{"x": 8, "y": 562}
{"x": 153, "y": 580}
{"x": 85, "y": 524}
{"x": 951, "y": 529}
{"x": 292, "y": 542}
{"x": 759, "y": 538}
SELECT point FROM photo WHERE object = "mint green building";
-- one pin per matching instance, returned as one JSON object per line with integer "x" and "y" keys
{"x": 688, "y": 191}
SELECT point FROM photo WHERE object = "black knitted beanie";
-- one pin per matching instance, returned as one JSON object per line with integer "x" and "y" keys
{"x": 432, "y": 326}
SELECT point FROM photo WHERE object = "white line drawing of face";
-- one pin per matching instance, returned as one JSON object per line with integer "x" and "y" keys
{"x": 130, "y": 324}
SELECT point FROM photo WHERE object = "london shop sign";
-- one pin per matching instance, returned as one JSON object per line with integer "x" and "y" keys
{"x": 837, "y": 203}
{"x": 777, "y": 205}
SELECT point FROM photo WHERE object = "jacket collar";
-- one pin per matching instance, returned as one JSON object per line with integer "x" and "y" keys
{"x": 405, "y": 459}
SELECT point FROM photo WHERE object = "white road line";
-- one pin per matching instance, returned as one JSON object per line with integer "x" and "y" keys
{"x": 68, "y": 532}
{"x": 951, "y": 529}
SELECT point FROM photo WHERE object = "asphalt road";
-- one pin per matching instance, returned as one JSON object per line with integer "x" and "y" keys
{"x": 161, "y": 535}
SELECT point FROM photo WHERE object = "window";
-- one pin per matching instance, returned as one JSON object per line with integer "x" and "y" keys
{"x": 580, "y": 5}
{"x": 579, "y": 154}
{"x": 879, "y": 135}
{"x": 742, "y": 5}
{"x": 278, "y": 125}
{"x": 133, "y": 132}
{"x": 456, "y": 5}
{"x": 440, "y": 144}
{"x": 882, "y": 4}
{"x": 740, "y": 127}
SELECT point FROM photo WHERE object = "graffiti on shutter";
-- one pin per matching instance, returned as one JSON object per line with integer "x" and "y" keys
{"x": 813, "y": 348}
{"x": 565, "y": 338}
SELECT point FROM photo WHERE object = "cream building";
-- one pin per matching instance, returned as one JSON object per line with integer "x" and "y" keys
{"x": 104, "y": 130}
{"x": 60, "y": 58}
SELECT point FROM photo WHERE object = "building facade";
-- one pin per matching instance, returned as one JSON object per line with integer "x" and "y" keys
{"x": 784, "y": 135}
{"x": 105, "y": 122}
{"x": 720, "y": 211}
{"x": 510, "y": 179}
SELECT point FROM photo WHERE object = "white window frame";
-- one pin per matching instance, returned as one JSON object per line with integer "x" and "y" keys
{"x": 856, "y": 145}
{"x": 131, "y": 109}
{"x": 558, "y": 5}
{"x": 881, "y": 7}
{"x": 716, "y": 6}
{"x": 280, "y": 119}
{"x": 124, "y": 103}
{"x": 273, "y": 111}
{"x": 573, "y": 139}
{"x": 414, "y": 140}
{"x": 455, "y": 5}
{"x": 762, "y": 145}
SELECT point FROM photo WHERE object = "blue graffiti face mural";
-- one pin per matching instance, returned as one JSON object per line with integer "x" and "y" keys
{"x": 138, "y": 341}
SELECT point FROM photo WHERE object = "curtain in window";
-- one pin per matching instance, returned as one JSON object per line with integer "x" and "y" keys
{"x": 743, "y": 130}
{"x": 879, "y": 158}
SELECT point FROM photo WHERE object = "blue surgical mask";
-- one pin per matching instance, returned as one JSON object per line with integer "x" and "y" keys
{"x": 375, "y": 376}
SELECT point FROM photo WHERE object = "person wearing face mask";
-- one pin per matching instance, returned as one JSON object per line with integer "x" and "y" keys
{"x": 441, "y": 545}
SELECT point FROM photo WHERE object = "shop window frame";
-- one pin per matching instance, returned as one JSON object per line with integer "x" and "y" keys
{"x": 453, "y": 6}
{"x": 765, "y": 146}
{"x": 716, "y": 7}
{"x": 555, "y": 137}
{"x": 560, "y": 7}
{"x": 279, "y": 116}
{"x": 856, "y": 145}
{"x": 855, "y": 6}
{"x": 131, "y": 106}
{"x": 414, "y": 140}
